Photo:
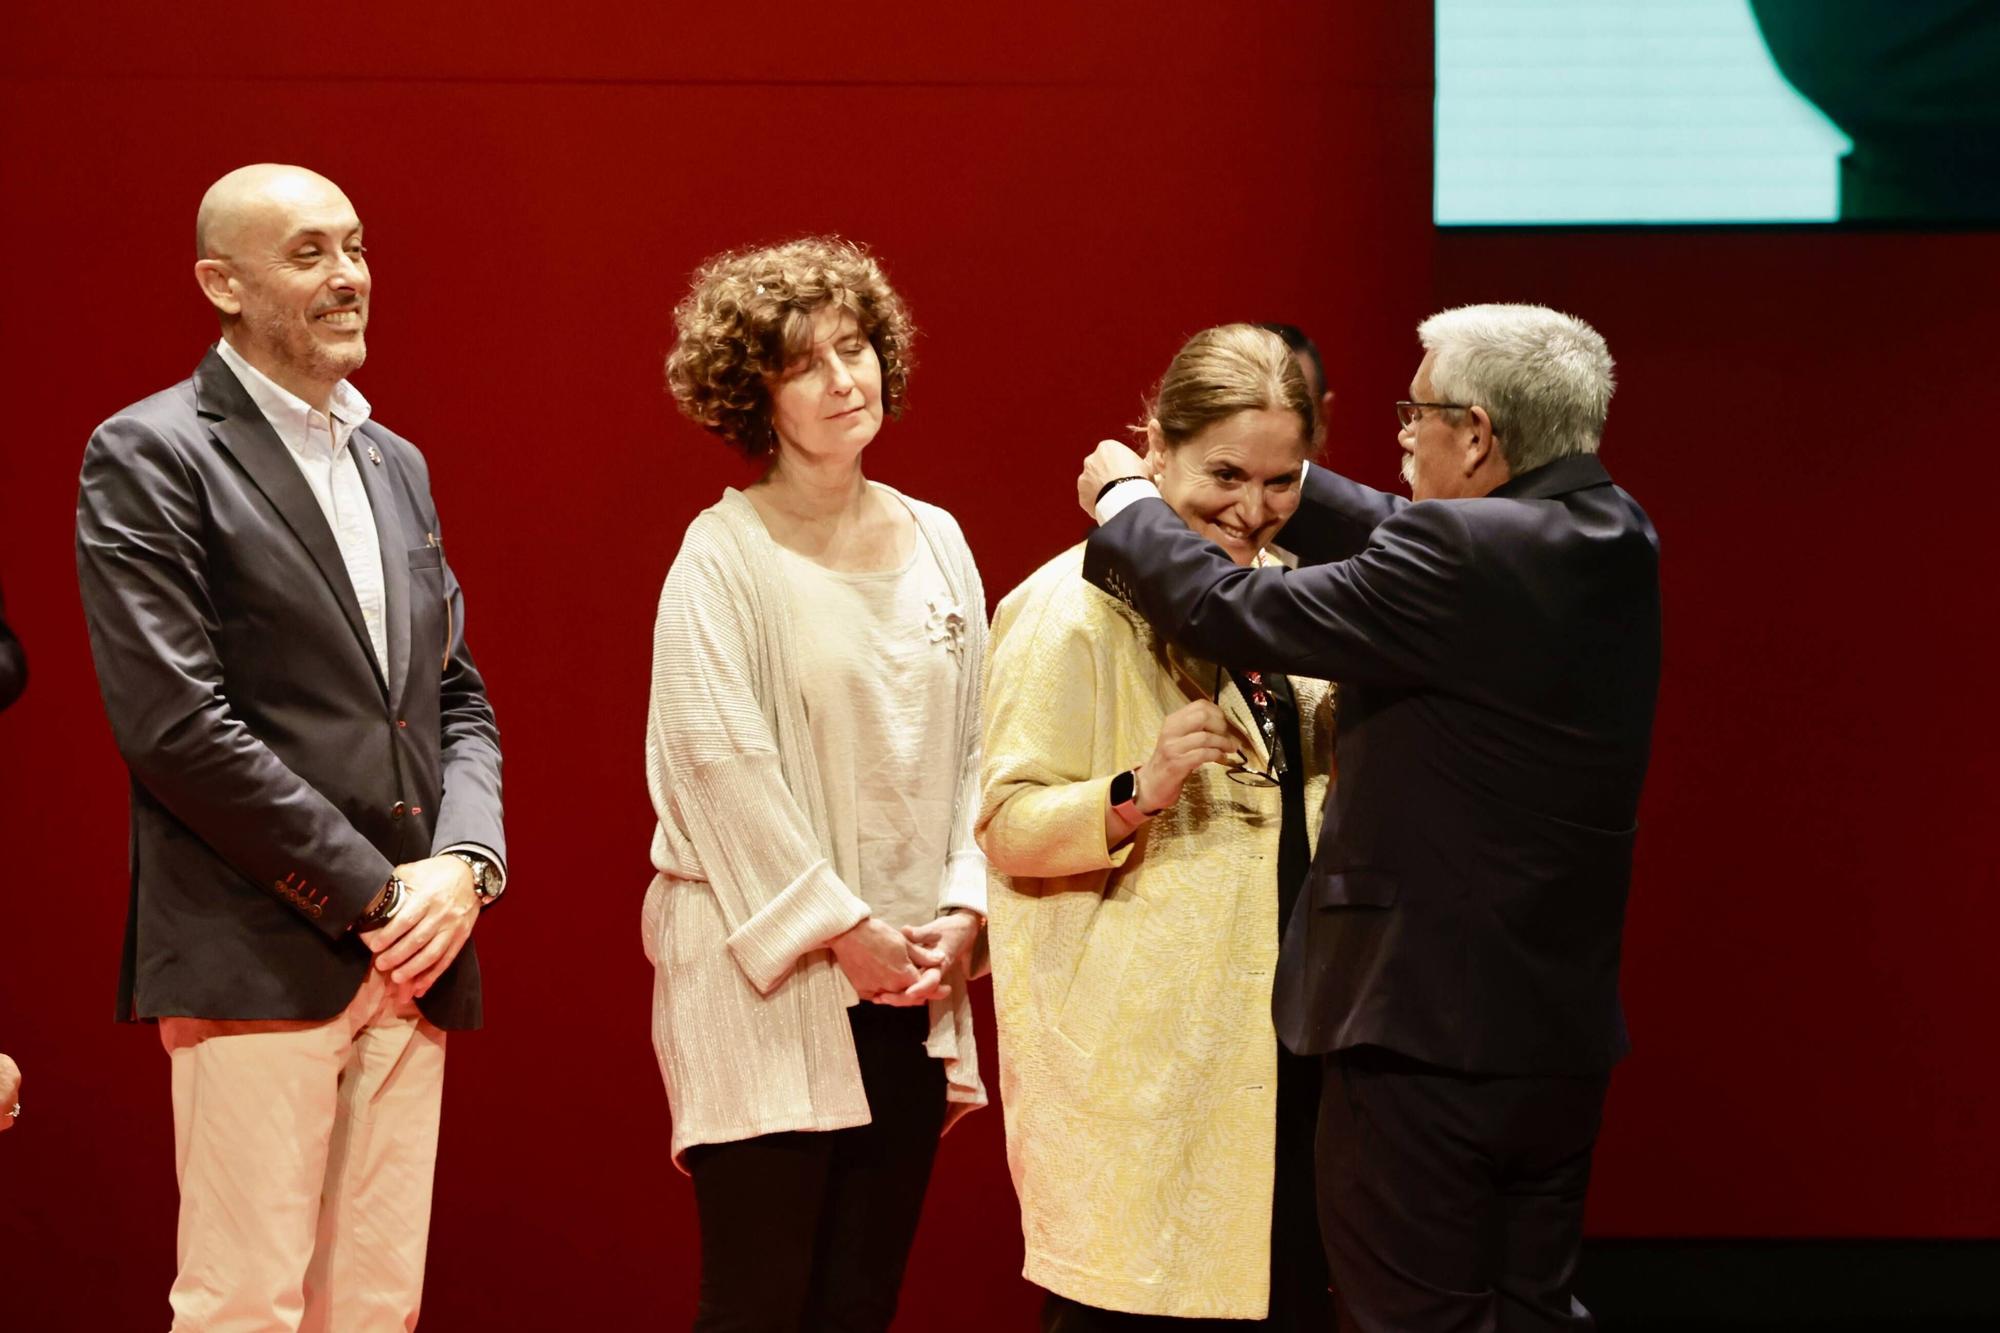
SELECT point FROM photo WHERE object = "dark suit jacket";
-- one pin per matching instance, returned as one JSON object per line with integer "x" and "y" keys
{"x": 1497, "y": 660}
{"x": 13, "y": 663}
{"x": 278, "y": 772}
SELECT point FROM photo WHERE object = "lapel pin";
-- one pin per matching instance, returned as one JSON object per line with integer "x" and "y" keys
{"x": 375, "y": 455}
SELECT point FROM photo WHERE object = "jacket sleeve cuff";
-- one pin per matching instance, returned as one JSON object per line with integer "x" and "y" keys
{"x": 811, "y": 910}
{"x": 964, "y": 882}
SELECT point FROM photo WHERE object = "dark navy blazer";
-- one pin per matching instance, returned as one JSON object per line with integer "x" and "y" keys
{"x": 1497, "y": 661}
{"x": 279, "y": 772}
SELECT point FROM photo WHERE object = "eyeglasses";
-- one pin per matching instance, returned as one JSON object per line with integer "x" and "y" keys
{"x": 1260, "y": 709}
{"x": 1408, "y": 413}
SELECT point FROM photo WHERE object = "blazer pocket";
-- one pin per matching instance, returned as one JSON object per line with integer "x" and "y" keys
{"x": 1354, "y": 887}
{"x": 426, "y": 557}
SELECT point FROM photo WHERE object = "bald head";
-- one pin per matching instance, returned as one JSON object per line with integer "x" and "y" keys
{"x": 280, "y": 257}
{"x": 251, "y": 202}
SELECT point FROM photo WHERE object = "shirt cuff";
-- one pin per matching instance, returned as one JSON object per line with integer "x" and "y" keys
{"x": 1124, "y": 493}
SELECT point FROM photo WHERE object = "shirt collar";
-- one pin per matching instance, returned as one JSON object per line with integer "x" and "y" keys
{"x": 289, "y": 414}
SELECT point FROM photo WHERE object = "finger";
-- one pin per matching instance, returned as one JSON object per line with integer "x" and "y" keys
{"x": 422, "y": 927}
{"x": 923, "y": 991}
{"x": 925, "y": 956}
{"x": 434, "y": 948}
{"x": 389, "y": 931}
{"x": 424, "y": 980}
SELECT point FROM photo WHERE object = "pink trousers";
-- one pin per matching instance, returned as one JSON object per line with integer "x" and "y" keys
{"x": 305, "y": 1154}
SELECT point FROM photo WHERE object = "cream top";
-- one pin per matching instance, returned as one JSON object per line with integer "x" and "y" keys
{"x": 879, "y": 666}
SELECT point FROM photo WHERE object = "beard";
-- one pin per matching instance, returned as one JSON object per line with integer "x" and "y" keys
{"x": 281, "y": 330}
{"x": 1409, "y": 470}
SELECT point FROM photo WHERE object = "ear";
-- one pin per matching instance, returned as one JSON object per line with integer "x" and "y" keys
{"x": 216, "y": 283}
{"x": 1479, "y": 444}
{"x": 1156, "y": 448}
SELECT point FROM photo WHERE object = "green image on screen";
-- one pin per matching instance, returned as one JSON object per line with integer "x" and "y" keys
{"x": 1717, "y": 111}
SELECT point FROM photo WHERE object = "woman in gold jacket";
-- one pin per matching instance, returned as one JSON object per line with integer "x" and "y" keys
{"x": 1149, "y": 818}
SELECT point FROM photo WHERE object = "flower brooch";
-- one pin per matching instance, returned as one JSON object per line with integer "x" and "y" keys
{"x": 945, "y": 624}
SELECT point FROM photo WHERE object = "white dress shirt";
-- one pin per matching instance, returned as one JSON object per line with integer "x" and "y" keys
{"x": 317, "y": 442}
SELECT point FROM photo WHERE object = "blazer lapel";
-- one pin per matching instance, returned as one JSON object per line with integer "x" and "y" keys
{"x": 396, "y": 547}
{"x": 241, "y": 429}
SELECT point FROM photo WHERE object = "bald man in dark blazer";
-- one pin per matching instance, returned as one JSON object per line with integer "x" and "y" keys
{"x": 1497, "y": 650}
{"x": 315, "y": 777}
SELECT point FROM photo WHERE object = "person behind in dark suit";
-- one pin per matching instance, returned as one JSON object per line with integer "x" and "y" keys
{"x": 1306, "y": 352}
{"x": 315, "y": 776}
{"x": 1497, "y": 649}
{"x": 13, "y": 663}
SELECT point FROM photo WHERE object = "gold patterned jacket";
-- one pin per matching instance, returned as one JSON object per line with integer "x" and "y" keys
{"x": 1132, "y": 988}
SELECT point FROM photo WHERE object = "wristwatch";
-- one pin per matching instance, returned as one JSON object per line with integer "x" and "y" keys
{"x": 486, "y": 881}
{"x": 1125, "y": 797}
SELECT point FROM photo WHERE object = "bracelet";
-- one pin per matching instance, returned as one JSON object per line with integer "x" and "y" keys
{"x": 1105, "y": 489}
{"x": 386, "y": 905}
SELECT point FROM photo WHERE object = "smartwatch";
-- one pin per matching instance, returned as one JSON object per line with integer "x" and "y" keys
{"x": 1125, "y": 797}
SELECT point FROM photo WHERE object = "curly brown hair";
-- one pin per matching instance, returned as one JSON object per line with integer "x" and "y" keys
{"x": 749, "y": 316}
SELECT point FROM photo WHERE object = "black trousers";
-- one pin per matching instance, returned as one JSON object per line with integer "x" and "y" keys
{"x": 1453, "y": 1203}
{"x": 811, "y": 1231}
{"x": 1300, "y": 1302}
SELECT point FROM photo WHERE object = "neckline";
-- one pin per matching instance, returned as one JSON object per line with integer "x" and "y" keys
{"x": 918, "y": 536}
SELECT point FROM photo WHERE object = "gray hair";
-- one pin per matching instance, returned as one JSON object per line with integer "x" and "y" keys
{"x": 1543, "y": 377}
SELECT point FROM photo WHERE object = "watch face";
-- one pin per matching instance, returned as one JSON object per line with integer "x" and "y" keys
{"x": 1122, "y": 788}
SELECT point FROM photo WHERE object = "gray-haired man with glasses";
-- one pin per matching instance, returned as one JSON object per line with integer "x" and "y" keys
{"x": 1455, "y": 956}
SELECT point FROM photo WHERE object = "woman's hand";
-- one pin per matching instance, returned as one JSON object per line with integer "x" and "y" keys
{"x": 1192, "y": 735}
{"x": 880, "y": 963}
{"x": 949, "y": 936}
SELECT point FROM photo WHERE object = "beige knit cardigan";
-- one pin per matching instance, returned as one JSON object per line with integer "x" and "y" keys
{"x": 749, "y": 1007}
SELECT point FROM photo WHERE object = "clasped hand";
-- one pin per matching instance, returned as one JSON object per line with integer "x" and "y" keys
{"x": 907, "y": 966}
{"x": 440, "y": 908}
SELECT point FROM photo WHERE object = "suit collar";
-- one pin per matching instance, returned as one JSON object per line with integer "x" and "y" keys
{"x": 1574, "y": 473}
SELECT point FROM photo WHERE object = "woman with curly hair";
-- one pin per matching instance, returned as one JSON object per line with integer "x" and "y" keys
{"x": 812, "y": 753}
{"x": 1153, "y": 818}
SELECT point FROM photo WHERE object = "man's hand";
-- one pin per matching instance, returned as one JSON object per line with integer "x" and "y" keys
{"x": 417, "y": 944}
{"x": 10, "y": 1090}
{"x": 1108, "y": 460}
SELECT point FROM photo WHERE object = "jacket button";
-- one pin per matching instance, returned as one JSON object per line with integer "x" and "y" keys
{"x": 402, "y": 723}
{"x": 398, "y": 810}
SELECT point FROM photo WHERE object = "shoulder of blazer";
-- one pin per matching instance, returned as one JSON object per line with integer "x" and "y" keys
{"x": 1057, "y": 599}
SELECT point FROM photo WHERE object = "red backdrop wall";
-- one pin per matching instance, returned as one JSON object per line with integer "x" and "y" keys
{"x": 1062, "y": 194}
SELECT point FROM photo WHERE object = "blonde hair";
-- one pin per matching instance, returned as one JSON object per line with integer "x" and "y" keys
{"x": 749, "y": 315}
{"x": 1228, "y": 369}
